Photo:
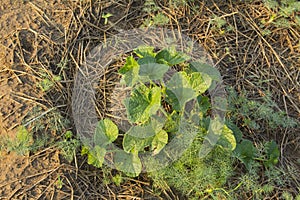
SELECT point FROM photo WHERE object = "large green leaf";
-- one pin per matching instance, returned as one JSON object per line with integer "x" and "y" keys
{"x": 159, "y": 141}
{"x": 129, "y": 163}
{"x": 142, "y": 131}
{"x": 130, "y": 71}
{"x": 137, "y": 138}
{"x": 135, "y": 144}
{"x": 158, "y": 122}
{"x": 179, "y": 91}
{"x": 272, "y": 151}
{"x": 206, "y": 69}
{"x": 146, "y": 60}
{"x": 106, "y": 132}
{"x": 96, "y": 156}
{"x": 153, "y": 71}
{"x": 143, "y": 103}
{"x": 236, "y": 131}
{"x": 145, "y": 51}
{"x": 204, "y": 104}
{"x": 170, "y": 57}
{"x": 227, "y": 139}
{"x": 200, "y": 82}
{"x": 245, "y": 152}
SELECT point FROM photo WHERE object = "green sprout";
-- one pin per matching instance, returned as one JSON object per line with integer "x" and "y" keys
{"x": 106, "y": 16}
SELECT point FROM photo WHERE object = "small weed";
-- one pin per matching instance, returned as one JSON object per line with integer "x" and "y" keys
{"x": 150, "y": 7}
{"x": 21, "y": 144}
{"x": 68, "y": 146}
{"x": 63, "y": 65}
{"x": 179, "y": 3}
{"x": 218, "y": 22}
{"x": 254, "y": 112}
{"x": 220, "y": 25}
{"x": 155, "y": 18}
{"x": 282, "y": 12}
{"x": 117, "y": 179}
{"x": 51, "y": 120}
{"x": 160, "y": 19}
{"x": 59, "y": 182}
{"x": 250, "y": 182}
{"x": 48, "y": 83}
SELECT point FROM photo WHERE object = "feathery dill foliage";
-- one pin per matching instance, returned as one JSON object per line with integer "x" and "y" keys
{"x": 197, "y": 177}
{"x": 282, "y": 12}
{"x": 251, "y": 112}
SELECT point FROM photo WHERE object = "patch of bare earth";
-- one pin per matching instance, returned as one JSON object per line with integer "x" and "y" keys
{"x": 34, "y": 176}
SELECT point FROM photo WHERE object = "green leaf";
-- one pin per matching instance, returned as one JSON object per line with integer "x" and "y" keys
{"x": 170, "y": 57}
{"x": 179, "y": 91}
{"x": 138, "y": 137}
{"x": 245, "y": 152}
{"x": 157, "y": 122}
{"x": 130, "y": 71}
{"x": 272, "y": 151}
{"x": 159, "y": 141}
{"x": 236, "y": 131}
{"x": 200, "y": 82}
{"x": 143, "y": 131}
{"x": 150, "y": 129}
{"x": 204, "y": 104}
{"x": 143, "y": 103}
{"x": 128, "y": 163}
{"x": 153, "y": 71}
{"x": 135, "y": 144}
{"x": 23, "y": 136}
{"x": 96, "y": 156}
{"x": 206, "y": 69}
{"x": 145, "y": 51}
{"x": 106, "y": 132}
{"x": 146, "y": 60}
{"x": 85, "y": 150}
{"x": 227, "y": 139}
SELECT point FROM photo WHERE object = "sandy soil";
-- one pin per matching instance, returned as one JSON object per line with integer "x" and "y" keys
{"x": 22, "y": 177}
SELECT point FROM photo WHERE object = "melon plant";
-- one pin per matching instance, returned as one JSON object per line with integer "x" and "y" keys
{"x": 163, "y": 82}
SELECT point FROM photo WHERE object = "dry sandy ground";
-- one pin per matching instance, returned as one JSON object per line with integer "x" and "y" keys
{"x": 22, "y": 177}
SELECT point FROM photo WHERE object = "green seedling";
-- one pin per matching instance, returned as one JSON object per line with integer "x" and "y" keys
{"x": 47, "y": 84}
{"x": 59, "y": 182}
{"x": 21, "y": 143}
{"x": 106, "y": 16}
